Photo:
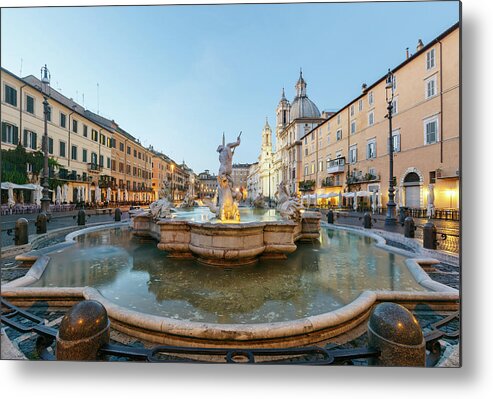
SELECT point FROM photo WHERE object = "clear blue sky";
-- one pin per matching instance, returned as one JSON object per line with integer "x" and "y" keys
{"x": 176, "y": 77}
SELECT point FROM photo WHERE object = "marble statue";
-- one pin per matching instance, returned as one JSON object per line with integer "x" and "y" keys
{"x": 289, "y": 207}
{"x": 227, "y": 206}
{"x": 259, "y": 202}
{"x": 162, "y": 208}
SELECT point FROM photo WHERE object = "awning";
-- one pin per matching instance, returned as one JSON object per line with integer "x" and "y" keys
{"x": 350, "y": 195}
{"x": 363, "y": 194}
{"x": 29, "y": 186}
{"x": 328, "y": 195}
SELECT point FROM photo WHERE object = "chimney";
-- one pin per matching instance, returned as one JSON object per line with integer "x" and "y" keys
{"x": 407, "y": 53}
{"x": 363, "y": 88}
{"x": 420, "y": 45}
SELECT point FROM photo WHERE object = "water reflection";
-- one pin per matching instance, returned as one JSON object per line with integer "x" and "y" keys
{"x": 319, "y": 277}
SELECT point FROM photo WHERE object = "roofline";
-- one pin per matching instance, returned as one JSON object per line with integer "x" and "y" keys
{"x": 58, "y": 102}
{"x": 395, "y": 69}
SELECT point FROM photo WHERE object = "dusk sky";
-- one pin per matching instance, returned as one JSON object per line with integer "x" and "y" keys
{"x": 176, "y": 77}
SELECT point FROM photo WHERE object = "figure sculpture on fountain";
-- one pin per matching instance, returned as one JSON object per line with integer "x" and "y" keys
{"x": 227, "y": 208}
{"x": 162, "y": 208}
{"x": 289, "y": 207}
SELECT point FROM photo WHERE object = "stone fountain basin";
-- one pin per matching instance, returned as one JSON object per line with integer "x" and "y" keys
{"x": 228, "y": 244}
{"x": 303, "y": 331}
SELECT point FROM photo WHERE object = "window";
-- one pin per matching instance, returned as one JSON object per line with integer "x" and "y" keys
{"x": 84, "y": 155}
{"x": 395, "y": 107}
{"x": 74, "y": 125}
{"x": 431, "y": 87}
{"x": 108, "y": 163}
{"x": 10, "y": 134}
{"x": 371, "y": 118}
{"x": 94, "y": 135}
{"x": 135, "y": 153}
{"x": 320, "y": 165}
{"x": 430, "y": 59}
{"x": 10, "y": 95}
{"x": 370, "y": 98}
{"x": 353, "y": 127}
{"x": 306, "y": 151}
{"x": 313, "y": 167}
{"x": 339, "y": 119}
{"x": 62, "y": 149}
{"x": 396, "y": 141}
{"x": 113, "y": 165}
{"x": 74, "y": 152}
{"x": 360, "y": 105}
{"x": 48, "y": 116}
{"x": 129, "y": 150}
{"x": 122, "y": 147}
{"x": 120, "y": 167}
{"x": 30, "y": 139}
{"x": 339, "y": 154}
{"x": 63, "y": 119}
{"x": 394, "y": 82}
{"x": 85, "y": 131}
{"x": 431, "y": 130}
{"x": 312, "y": 136}
{"x": 371, "y": 149}
{"x": 353, "y": 154}
{"x": 101, "y": 160}
{"x": 352, "y": 110}
{"x": 102, "y": 139}
{"x": 339, "y": 135}
{"x": 433, "y": 176}
{"x": 29, "y": 104}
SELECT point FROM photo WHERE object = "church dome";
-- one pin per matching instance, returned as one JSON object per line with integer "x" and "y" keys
{"x": 302, "y": 106}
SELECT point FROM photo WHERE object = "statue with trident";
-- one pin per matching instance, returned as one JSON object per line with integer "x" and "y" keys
{"x": 226, "y": 152}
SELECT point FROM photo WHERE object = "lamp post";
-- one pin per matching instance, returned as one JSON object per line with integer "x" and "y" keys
{"x": 390, "y": 219}
{"x": 45, "y": 81}
{"x": 269, "y": 188}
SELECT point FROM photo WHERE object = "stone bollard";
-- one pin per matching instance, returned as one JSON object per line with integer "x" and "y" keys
{"x": 367, "y": 220}
{"x": 84, "y": 329}
{"x": 409, "y": 227}
{"x": 118, "y": 215}
{"x": 429, "y": 235}
{"x": 21, "y": 232}
{"x": 330, "y": 217}
{"x": 41, "y": 223}
{"x": 395, "y": 332}
{"x": 81, "y": 218}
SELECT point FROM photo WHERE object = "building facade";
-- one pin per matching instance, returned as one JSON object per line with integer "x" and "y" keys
{"x": 349, "y": 152}
{"x": 206, "y": 184}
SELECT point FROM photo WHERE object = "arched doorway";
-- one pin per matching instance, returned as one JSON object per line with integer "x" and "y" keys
{"x": 412, "y": 190}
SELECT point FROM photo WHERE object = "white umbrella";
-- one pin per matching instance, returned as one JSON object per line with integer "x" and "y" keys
{"x": 340, "y": 199}
{"x": 397, "y": 199}
{"x": 79, "y": 194}
{"x": 97, "y": 195}
{"x": 125, "y": 195}
{"x": 58, "y": 198}
{"x": 430, "y": 209}
{"x": 355, "y": 202}
{"x": 119, "y": 195}
{"x": 10, "y": 191}
{"x": 38, "y": 194}
{"x": 374, "y": 201}
{"x": 108, "y": 194}
{"x": 65, "y": 193}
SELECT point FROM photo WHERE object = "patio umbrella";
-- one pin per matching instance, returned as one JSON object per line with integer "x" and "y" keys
{"x": 125, "y": 195}
{"x": 340, "y": 199}
{"x": 97, "y": 195}
{"x": 65, "y": 193}
{"x": 119, "y": 195}
{"x": 38, "y": 194}
{"x": 10, "y": 191}
{"x": 430, "y": 209}
{"x": 58, "y": 198}
{"x": 374, "y": 201}
{"x": 108, "y": 194}
{"x": 79, "y": 194}
{"x": 355, "y": 202}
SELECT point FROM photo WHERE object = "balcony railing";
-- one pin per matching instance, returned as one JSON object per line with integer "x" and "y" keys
{"x": 336, "y": 165}
{"x": 94, "y": 167}
{"x": 368, "y": 177}
{"x": 328, "y": 182}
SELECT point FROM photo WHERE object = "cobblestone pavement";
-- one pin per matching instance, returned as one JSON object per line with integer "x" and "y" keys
{"x": 450, "y": 242}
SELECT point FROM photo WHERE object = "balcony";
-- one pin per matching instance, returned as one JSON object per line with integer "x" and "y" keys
{"x": 331, "y": 182}
{"x": 336, "y": 165}
{"x": 366, "y": 178}
{"x": 94, "y": 168}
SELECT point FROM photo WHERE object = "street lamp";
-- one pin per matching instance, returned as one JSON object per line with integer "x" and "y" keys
{"x": 269, "y": 188}
{"x": 390, "y": 219}
{"x": 45, "y": 82}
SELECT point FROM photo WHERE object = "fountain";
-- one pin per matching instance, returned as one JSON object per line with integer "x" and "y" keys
{"x": 225, "y": 240}
{"x": 326, "y": 284}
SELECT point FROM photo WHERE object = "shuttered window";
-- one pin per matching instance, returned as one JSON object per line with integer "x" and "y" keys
{"x": 10, "y": 95}
{"x": 30, "y": 139}
{"x": 10, "y": 134}
{"x": 30, "y": 104}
